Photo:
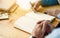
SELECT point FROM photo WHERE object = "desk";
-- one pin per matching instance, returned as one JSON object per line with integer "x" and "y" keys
{"x": 7, "y": 29}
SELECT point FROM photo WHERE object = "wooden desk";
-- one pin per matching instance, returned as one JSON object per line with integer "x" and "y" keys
{"x": 7, "y": 29}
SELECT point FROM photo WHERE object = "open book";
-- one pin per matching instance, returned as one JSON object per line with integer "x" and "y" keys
{"x": 27, "y": 22}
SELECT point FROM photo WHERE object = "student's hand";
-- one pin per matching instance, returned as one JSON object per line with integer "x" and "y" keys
{"x": 41, "y": 28}
{"x": 57, "y": 12}
{"x": 53, "y": 12}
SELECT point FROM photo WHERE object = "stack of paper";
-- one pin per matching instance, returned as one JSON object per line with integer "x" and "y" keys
{"x": 28, "y": 21}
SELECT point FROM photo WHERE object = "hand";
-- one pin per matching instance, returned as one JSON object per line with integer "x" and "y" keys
{"x": 57, "y": 12}
{"x": 40, "y": 29}
{"x": 53, "y": 12}
{"x": 50, "y": 12}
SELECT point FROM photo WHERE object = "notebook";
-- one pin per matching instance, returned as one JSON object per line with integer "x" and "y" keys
{"x": 27, "y": 22}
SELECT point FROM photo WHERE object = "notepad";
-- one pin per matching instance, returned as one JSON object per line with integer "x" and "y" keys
{"x": 27, "y": 22}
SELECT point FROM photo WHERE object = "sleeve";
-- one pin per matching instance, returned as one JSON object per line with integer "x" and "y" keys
{"x": 55, "y": 34}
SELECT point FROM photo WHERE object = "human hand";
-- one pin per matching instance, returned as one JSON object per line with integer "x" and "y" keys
{"x": 57, "y": 12}
{"x": 41, "y": 28}
{"x": 53, "y": 12}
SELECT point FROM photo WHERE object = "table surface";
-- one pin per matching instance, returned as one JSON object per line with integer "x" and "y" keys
{"x": 7, "y": 29}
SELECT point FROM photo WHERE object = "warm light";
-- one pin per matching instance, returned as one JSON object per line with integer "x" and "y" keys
{"x": 25, "y": 4}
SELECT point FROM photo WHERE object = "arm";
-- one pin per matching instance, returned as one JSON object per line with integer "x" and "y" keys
{"x": 54, "y": 34}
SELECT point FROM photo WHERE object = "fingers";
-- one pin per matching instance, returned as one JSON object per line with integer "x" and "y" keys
{"x": 39, "y": 25}
{"x": 44, "y": 26}
{"x": 40, "y": 22}
{"x": 37, "y": 29}
{"x": 45, "y": 23}
{"x": 40, "y": 28}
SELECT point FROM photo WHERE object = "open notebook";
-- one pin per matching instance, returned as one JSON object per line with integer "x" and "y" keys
{"x": 27, "y": 22}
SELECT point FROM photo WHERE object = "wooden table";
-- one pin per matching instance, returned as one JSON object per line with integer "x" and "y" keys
{"x": 7, "y": 29}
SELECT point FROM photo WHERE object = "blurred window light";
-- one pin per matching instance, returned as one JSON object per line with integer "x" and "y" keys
{"x": 25, "y": 4}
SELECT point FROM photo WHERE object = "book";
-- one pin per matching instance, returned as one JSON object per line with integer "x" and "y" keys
{"x": 27, "y": 22}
